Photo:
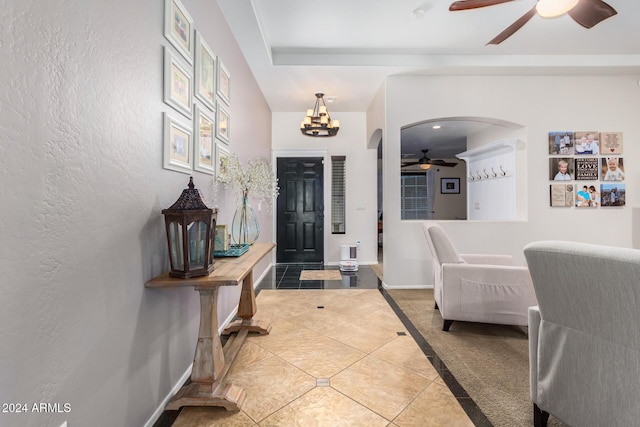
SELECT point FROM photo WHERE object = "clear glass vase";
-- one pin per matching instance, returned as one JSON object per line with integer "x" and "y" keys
{"x": 245, "y": 227}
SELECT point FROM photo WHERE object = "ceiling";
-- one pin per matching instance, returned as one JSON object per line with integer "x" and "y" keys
{"x": 345, "y": 48}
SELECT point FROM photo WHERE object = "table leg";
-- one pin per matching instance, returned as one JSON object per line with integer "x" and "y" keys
{"x": 208, "y": 369}
{"x": 247, "y": 307}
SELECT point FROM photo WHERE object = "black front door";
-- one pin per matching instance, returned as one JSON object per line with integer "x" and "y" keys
{"x": 300, "y": 210}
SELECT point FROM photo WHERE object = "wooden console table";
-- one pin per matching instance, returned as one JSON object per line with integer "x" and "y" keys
{"x": 211, "y": 361}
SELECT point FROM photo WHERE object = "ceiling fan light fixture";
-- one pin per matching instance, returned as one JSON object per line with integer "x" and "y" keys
{"x": 554, "y": 8}
{"x": 424, "y": 166}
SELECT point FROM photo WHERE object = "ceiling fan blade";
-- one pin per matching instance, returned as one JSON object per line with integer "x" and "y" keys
{"x": 474, "y": 4}
{"x": 408, "y": 164}
{"x": 589, "y": 13}
{"x": 519, "y": 23}
{"x": 438, "y": 162}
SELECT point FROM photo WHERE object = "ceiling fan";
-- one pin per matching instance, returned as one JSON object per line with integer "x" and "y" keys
{"x": 425, "y": 162}
{"x": 587, "y": 13}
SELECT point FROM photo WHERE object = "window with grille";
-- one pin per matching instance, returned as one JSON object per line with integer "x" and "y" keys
{"x": 414, "y": 199}
{"x": 338, "y": 194}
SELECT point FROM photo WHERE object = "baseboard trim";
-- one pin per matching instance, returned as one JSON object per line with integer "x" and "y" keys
{"x": 160, "y": 409}
{"x": 332, "y": 263}
{"x": 384, "y": 285}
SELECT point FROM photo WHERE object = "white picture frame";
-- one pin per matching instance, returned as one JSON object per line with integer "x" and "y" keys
{"x": 222, "y": 157}
{"x": 178, "y": 144}
{"x": 178, "y": 28}
{"x": 223, "y": 83}
{"x": 223, "y": 123}
{"x": 178, "y": 84}
{"x": 205, "y": 73}
{"x": 204, "y": 155}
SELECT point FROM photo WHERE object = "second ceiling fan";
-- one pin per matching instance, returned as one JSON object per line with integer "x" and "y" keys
{"x": 425, "y": 163}
{"x": 587, "y": 13}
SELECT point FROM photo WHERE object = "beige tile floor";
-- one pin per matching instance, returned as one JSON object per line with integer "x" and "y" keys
{"x": 342, "y": 365}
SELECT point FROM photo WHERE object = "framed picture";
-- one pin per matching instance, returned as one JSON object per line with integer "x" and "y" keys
{"x": 612, "y": 169}
{"x": 613, "y": 194}
{"x": 178, "y": 145}
{"x": 561, "y": 142}
{"x": 561, "y": 168}
{"x": 177, "y": 85}
{"x": 224, "y": 83}
{"x": 204, "y": 153}
{"x": 611, "y": 143}
{"x": 205, "y": 73}
{"x": 450, "y": 185}
{"x": 586, "y": 142}
{"x": 222, "y": 157}
{"x": 561, "y": 195}
{"x": 221, "y": 238}
{"x": 178, "y": 28}
{"x": 222, "y": 123}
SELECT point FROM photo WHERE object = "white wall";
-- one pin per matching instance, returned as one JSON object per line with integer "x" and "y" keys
{"x": 82, "y": 187}
{"x": 451, "y": 206}
{"x": 376, "y": 115}
{"x": 361, "y": 165}
{"x": 540, "y": 104}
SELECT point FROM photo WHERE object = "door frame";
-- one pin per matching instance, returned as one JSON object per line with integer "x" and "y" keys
{"x": 324, "y": 154}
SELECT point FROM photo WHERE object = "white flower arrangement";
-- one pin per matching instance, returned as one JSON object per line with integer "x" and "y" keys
{"x": 258, "y": 180}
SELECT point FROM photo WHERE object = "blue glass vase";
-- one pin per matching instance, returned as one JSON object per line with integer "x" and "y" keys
{"x": 245, "y": 227}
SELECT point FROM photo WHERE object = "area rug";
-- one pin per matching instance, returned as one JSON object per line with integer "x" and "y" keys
{"x": 320, "y": 275}
{"x": 491, "y": 362}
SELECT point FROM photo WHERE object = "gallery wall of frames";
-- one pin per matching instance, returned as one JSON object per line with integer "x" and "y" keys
{"x": 587, "y": 169}
{"x": 197, "y": 86}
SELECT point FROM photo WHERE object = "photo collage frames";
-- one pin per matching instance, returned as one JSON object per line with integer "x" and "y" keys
{"x": 197, "y": 86}
{"x": 587, "y": 169}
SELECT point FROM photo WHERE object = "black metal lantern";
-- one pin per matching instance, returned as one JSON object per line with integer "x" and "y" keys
{"x": 191, "y": 229}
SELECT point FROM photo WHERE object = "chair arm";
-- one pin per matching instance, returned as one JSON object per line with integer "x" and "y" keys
{"x": 489, "y": 259}
{"x": 473, "y": 288}
{"x": 534, "y": 328}
{"x": 490, "y": 274}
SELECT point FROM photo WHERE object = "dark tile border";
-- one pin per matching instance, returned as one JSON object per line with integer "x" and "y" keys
{"x": 474, "y": 413}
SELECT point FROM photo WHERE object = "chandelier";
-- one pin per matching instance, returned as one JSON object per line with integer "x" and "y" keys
{"x": 318, "y": 121}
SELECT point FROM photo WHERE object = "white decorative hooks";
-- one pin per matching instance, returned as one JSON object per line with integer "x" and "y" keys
{"x": 484, "y": 175}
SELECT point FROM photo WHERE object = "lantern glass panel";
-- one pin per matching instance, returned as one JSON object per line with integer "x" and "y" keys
{"x": 197, "y": 232}
{"x": 175, "y": 243}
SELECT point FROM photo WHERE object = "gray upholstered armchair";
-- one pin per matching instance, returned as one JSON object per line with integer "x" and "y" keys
{"x": 475, "y": 287}
{"x": 584, "y": 336}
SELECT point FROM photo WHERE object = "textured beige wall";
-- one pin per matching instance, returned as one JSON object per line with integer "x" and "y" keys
{"x": 81, "y": 190}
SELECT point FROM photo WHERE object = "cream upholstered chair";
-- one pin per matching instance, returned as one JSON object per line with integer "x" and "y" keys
{"x": 584, "y": 335}
{"x": 477, "y": 288}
